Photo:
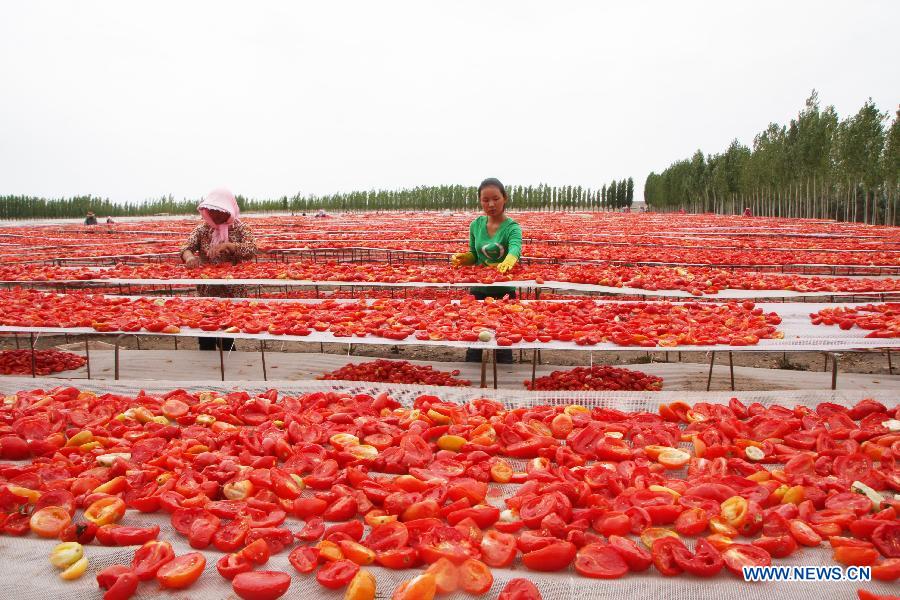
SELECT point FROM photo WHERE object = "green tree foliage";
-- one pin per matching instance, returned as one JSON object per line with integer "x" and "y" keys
{"x": 445, "y": 197}
{"x": 816, "y": 166}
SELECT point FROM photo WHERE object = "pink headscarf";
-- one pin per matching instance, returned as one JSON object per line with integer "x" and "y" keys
{"x": 223, "y": 201}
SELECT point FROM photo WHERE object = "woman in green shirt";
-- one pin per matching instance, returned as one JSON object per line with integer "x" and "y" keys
{"x": 495, "y": 240}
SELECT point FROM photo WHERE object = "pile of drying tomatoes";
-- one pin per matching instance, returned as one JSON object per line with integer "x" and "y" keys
{"x": 18, "y": 362}
{"x": 693, "y": 279}
{"x": 597, "y": 377}
{"x": 715, "y": 239}
{"x": 882, "y": 320}
{"x": 584, "y": 322}
{"x": 375, "y": 483}
{"x": 396, "y": 371}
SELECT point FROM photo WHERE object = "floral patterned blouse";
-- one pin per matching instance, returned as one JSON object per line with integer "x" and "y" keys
{"x": 199, "y": 242}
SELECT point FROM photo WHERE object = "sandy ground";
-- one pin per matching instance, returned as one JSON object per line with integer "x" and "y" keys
{"x": 873, "y": 363}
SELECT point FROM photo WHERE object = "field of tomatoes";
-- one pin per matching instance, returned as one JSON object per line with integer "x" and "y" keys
{"x": 584, "y": 322}
{"x": 882, "y": 320}
{"x": 18, "y": 362}
{"x": 694, "y": 280}
{"x": 396, "y": 371}
{"x": 597, "y": 377}
{"x": 600, "y": 491}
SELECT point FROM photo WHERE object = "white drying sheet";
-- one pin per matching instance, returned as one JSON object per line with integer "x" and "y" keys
{"x": 799, "y": 335}
{"x": 36, "y": 579}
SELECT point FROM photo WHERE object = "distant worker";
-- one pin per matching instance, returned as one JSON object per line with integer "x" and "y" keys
{"x": 748, "y": 212}
{"x": 90, "y": 219}
{"x": 681, "y": 211}
{"x": 495, "y": 240}
{"x": 220, "y": 238}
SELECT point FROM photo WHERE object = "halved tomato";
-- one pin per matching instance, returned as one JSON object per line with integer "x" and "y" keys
{"x": 600, "y": 561}
{"x": 738, "y": 556}
{"x": 182, "y": 571}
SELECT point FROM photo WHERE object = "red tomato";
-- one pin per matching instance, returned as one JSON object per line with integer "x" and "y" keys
{"x": 116, "y": 535}
{"x": 119, "y": 581}
{"x": 778, "y": 546}
{"x": 304, "y": 558}
{"x": 50, "y": 521}
{"x": 231, "y": 565}
{"x": 887, "y": 570}
{"x": 663, "y": 552}
{"x": 554, "y": 557}
{"x": 520, "y": 589}
{"x": 636, "y": 557}
{"x": 705, "y": 562}
{"x": 80, "y": 532}
{"x": 600, "y": 561}
{"x": 738, "y": 556}
{"x": 498, "y": 549}
{"x": 276, "y": 538}
{"x": 150, "y": 557}
{"x": 398, "y": 558}
{"x": 256, "y": 552}
{"x": 62, "y": 498}
{"x": 337, "y": 574}
{"x": 855, "y": 555}
{"x": 446, "y": 576}
{"x": 181, "y": 571}
{"x": 886, "y": 538}
{"x": 105, "y": 510}
{"x": 261, "y": 585}
{"x": 475, "y": 577}
{"x": 389, "y": 536}
{"x": 231, "y": 536}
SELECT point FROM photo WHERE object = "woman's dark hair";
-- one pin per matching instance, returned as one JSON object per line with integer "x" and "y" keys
{"x": 493, "y": 182}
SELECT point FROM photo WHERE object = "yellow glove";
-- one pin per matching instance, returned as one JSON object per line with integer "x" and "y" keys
{"x": 461, "y": 259}
{"x": 508, "y": 263}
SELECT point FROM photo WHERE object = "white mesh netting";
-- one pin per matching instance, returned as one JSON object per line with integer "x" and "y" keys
{"x": 31, "y": 577}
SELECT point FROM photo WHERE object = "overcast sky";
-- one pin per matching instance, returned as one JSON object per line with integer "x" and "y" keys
{"x": 133, "y": 101}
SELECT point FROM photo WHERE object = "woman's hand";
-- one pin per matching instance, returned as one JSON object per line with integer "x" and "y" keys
{"x": 219, "y": 250}
{"x": 190, "y": 260}
{"x": 508, "y": 263}
{"x": 462, "y": 258}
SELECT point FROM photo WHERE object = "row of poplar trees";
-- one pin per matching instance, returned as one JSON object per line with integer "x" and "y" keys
{"x": 818, "y": 166}
{"x": 615, "y": 196}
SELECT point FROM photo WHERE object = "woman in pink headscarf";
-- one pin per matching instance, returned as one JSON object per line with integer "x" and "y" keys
{"x": 220, "y": 238}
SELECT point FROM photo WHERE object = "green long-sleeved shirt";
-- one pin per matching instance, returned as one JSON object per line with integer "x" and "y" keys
{"x": 488, "y": 249}
{"x": 493, "y": 249}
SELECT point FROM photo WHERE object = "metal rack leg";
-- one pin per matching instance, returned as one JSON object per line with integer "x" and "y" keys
{"x": 494, "y": 360}
{"x": 712, "y": 359}
{"x": 534, "y": 354}
{"x": 116, "y": 358}
{"x": 87, "y": 356}
{"x": 731, "y": 369}
{"x": 222, "y": 361}
{"x": 33, "y": 361}
{"x": 483, "y": 369}
{"x": 890, "y": 366}
{"x": 834, "y": 370}
{"x": 262, "y": 351}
